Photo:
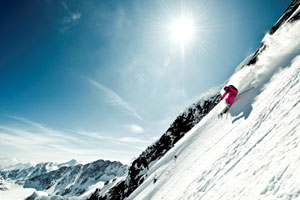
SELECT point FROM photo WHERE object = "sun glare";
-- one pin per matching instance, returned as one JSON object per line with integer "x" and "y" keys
{"x": 182, "y": 30}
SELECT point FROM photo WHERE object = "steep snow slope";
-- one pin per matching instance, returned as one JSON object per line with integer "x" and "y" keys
{"x": 235, "y": 159}
{"x": 137, "y": 172}
{"x": 253, "y": 152}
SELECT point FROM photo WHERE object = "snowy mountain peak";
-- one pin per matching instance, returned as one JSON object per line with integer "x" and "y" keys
{"x": 65, "y": 180}
{"x": 7, "y": 164}
{"x": 72, "y": 162}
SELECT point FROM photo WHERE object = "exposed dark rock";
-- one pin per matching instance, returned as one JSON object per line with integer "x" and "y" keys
{"x": 285, "y": 18}
{"x": 287, "y": 14}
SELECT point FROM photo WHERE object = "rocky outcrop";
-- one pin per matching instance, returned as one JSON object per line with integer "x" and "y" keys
{"x": 289, "y": 16}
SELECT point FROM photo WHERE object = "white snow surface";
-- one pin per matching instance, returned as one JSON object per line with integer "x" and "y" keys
{"x": 253, "y": 151}
{"x": 15, "y": 192}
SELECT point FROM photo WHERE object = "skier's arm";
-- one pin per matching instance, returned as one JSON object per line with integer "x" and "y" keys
{"x": 224, "y": 95}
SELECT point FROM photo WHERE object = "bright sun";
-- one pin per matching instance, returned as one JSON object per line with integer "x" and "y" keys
{"x": 182, "y": 30}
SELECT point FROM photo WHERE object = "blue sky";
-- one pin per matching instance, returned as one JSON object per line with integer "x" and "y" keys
{"x": 103, "y": 79}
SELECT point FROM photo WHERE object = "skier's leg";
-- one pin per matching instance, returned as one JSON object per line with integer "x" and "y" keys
{"x": 226, "y": 108}
{"x": 231, "y": 98}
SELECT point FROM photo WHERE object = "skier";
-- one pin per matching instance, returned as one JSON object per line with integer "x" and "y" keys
{"x": 232, "y": 92}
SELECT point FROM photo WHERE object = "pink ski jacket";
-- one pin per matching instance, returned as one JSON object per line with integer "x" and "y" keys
{"x": 232, "y": 91}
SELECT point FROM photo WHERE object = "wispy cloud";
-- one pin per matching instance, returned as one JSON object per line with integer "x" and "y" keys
{"x": 115, "y": 99}
{"x": 34, "y": 139}
{"x": 39, "y": 128}
{"x": 132, "y": 140}
{"x": 135, "y": 128}
{"x": 28, "y": 141}
{"x": 123, "y": 141}
{"x": 71, "y": 18}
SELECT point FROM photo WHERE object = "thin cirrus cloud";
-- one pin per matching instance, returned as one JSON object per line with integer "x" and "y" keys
{"x": 115, "y": 99}
{"x": 34, "y": 138}
{"x": 40, "y": 129}
{"x": 27, "y": 140}
{"x": 29, "y": 134}
{"x": 131, "y": 142}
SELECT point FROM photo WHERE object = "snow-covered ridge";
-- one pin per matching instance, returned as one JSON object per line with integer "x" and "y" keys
{"x": 7, "y": 164}
{"x": 68, "y": 180}
{"x": 290, "y": 15}
{"x": 279, "y": 50}
{"x": 20, "y": 172}
{"x": 137, "y": 172}
{"x": 75, "y": 180}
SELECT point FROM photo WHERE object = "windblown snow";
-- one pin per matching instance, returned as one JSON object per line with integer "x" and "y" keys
{"x": 253, "y": 151}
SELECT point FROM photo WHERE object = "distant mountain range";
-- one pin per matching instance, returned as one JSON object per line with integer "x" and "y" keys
{"x": 68, "y": 179}
{"x": 13, "y": 163}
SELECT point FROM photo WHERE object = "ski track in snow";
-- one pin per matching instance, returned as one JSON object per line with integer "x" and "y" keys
{"x": 251, "y": 153}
